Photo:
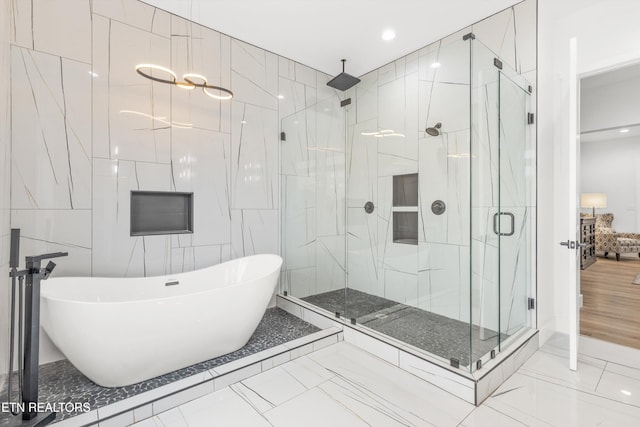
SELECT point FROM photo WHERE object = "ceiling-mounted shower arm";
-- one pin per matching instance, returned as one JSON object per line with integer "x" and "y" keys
{"x": 343, "y": 81}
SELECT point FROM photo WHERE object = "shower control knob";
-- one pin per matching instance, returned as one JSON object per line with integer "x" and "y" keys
{"x": 368, "y": 207}
{"x": 438, "y": 207}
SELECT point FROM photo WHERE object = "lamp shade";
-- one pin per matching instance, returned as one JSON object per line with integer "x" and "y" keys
{"x": 593, "y": 200}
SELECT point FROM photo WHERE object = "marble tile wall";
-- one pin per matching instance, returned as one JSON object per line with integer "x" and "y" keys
{"x": 86, "y": 129}
{"x": 426, "y": 87}
{"x": 5, "y": 178}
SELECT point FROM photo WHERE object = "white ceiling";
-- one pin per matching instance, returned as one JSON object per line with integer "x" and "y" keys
{"x": 320, "y": 33}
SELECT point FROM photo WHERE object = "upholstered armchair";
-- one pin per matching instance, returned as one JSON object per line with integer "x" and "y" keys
{"x": 607, "y": 240}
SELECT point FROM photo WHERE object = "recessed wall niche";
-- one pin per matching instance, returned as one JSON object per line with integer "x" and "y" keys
{"x": 405, "y": 209}
{"x": 160, "y": 212}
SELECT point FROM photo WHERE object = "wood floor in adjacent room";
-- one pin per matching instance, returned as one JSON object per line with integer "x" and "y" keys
{"x": 611, "y": 310}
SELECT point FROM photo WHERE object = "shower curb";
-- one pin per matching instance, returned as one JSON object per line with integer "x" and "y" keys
{"x": 145, "y": 405}
{"x": 472, "y": 387}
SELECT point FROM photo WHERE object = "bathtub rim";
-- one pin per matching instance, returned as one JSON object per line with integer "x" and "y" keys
{"x": 44, "y": 293}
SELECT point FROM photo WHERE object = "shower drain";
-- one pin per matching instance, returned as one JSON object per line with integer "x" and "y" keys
{"x": 381, "y": 315}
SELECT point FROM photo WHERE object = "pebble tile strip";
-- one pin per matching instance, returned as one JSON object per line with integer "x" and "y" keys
{"x": 62, "y": 382}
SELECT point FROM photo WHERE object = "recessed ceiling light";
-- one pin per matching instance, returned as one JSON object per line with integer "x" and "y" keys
{"x": 92, "y": 74}
{"x": 436, "y": 65}
{"x": 388, "y": 35}
{"x": 625, "y": 392}
{"x": 280, "y": 96}
{"x": 624, "y": 130}
{"x": 244, "y": 122}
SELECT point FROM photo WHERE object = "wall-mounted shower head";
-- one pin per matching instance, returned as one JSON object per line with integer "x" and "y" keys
{"x": 434, "y": 131}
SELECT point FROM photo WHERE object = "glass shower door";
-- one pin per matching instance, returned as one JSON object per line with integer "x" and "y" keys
{"x": 312, "y": 152}
{"x": 517, "y": 207}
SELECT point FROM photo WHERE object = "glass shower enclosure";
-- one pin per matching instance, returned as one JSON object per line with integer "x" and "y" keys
{"x": 411, "y": 210}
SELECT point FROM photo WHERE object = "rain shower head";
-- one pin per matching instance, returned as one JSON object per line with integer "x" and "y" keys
{"x": 343, "y": 81}
{"x": 434, "y": 131}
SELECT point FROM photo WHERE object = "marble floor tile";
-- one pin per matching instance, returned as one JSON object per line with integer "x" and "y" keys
{"x": 307, "y": 372}
{"x": 342, "y": 385}
{"x": 484, "y": 416}
{"x": 554, "y": 368}
{"x": 314, "y": 408}
{"x": 392, "y": 385}
{"x": 620, "y": 383}
{"x": 534, "y": 401}
{"x": 223, "y": 408}
{"x": 276, "y": 386}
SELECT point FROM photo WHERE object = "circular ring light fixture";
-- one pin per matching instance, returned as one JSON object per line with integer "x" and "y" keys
{"x": 191, "y": 81}
{"x": 150, "y": 68}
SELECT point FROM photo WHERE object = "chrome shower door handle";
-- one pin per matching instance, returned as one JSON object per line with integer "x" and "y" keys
{"x": 512, "y": 218}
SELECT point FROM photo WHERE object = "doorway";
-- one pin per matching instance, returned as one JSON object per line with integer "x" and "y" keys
{"x": 609, "y": 184}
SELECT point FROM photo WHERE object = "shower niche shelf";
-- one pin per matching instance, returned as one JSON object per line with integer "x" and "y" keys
{"x": 405, "y": 209}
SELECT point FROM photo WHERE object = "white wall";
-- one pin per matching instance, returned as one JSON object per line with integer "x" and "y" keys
{"x": 5, "y": 147}
{"x": 607, "y": 33}
{"x": 77, "y": 154}
{"x": 611, "y": 167}
{"x": 610, "y": 106}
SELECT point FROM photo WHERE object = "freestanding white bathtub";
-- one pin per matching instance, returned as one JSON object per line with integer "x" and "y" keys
{"x": 122, "y": 331}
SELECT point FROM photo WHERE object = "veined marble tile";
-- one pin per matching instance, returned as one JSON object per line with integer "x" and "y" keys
{"x": 323, "y": 91}
{"x": 135, "y": 13}
{"x": 100, "y": 86}
{"x": 46, "y": 231}
{"x": 444, "y": 174}
{"x": 137, "y": 121}
{"x": 254, "y": 232}
{"x": 254, "y": 77}
{"x": 439, "y": 280}
{"x": 115, "y": 252}
{"x": 453, "y": 60}
{"x": 391, "y": 387}
{"x": 298, "y": 151}
{"x": 553, "y": 368}
{"x": 331, "y": 263}
{"x": 313, "y": 408}
{"x": 191, "y": 258}
{"x": 516, "y": 265}
{"x": 367, "y": 406}
{"x": 362, "y": 241}
{"x": 254, "y": 164}
{"x": 620, "y": 383}
{"x": 444, "y": 103}
{"x": 362, "y": 164}
{"x": 225, "y": 407}
{"x": 21, "y": 21}
{"x": 535, "y": 401}
{"x": 484, "y": 416}
{"x": 52, "y": 164}
{"x": 294, "y": 97}
{"x": 201, "y": 163}
{"x": 366, "y": 98}
{"x": 199, "y": 50}
{"x": 398, "y": 111}
{"x": 275, "y": 386}
{"x": 299, "y": 222}
{"x": 286, "y": 68}
{"x": 307, "y": 372}
{"x": 305, "y": 75}
{"x": 62, "y": 28}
